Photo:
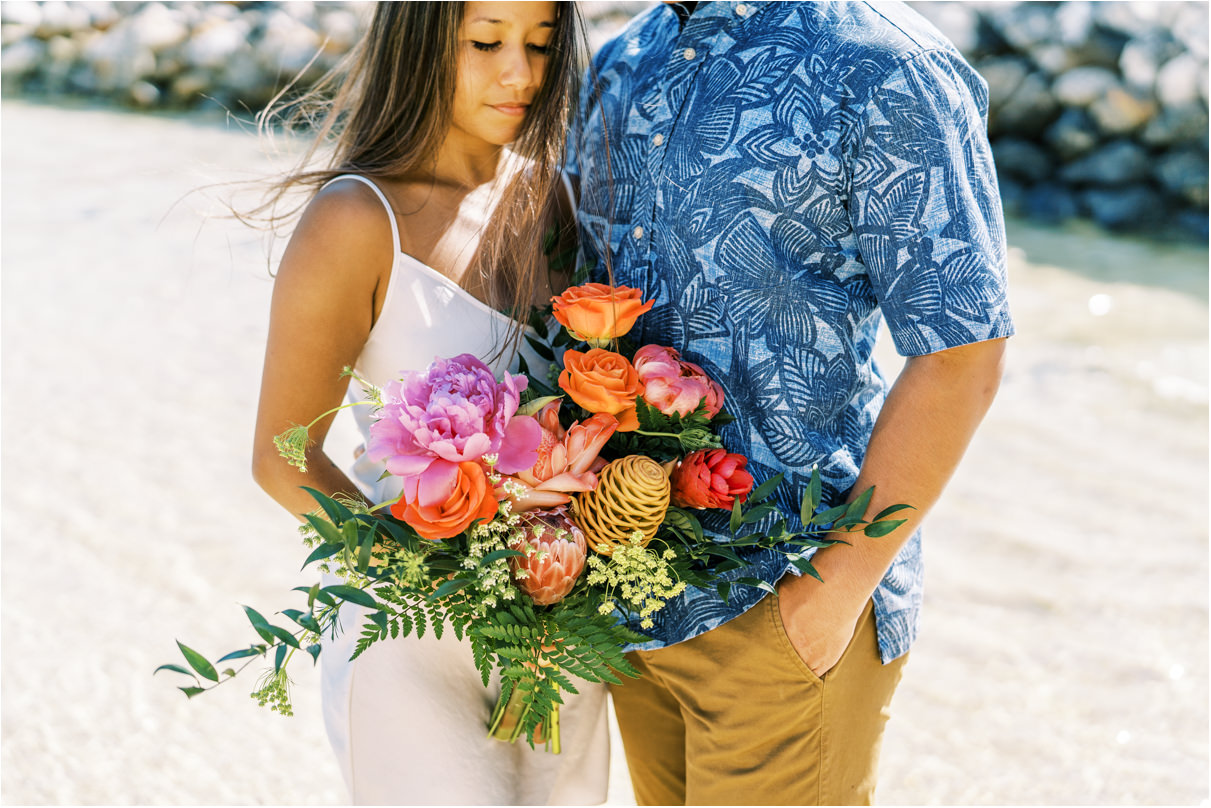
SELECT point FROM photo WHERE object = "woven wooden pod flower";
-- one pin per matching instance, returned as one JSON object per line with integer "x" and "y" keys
{"x": 632, "y": 494}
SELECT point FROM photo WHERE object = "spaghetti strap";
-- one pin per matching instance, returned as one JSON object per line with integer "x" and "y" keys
{"x": 382, "y": 198}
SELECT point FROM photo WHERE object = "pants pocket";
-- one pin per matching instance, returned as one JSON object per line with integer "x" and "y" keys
{"x": 775, "y": 617}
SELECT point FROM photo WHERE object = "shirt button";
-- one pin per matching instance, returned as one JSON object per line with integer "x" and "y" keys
{"x": 637, "y": 233}
{"x": 689, "y": 54}
{"x": 658, "y": 139}
{"x": 742, "y": 9}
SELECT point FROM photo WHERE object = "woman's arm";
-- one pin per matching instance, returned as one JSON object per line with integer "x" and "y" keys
{"x": 329, "y": 285}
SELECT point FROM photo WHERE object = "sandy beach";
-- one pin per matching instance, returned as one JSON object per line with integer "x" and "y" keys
{"x": 1064, "y": 653}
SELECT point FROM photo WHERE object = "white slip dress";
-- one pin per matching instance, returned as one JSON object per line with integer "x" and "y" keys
{"x": 408, "y": 718}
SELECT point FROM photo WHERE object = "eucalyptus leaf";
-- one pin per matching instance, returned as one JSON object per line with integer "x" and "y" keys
{"x": 259, "y": 623}
{"x": 496, "y": 555}
{"x": 190, "y": 692}
{"x": 174, "y": 668}
{"x": 198, "y": 662}
{"x": 449, "y": 587}
{"x": 351, "y": 594}
{"x": 242, "y": 653}
{"x": 280, "y": 657}
{"x": 324, "y": 550}
{"x": 886, "y": 512}
{"x": 858, "y": 507}
{"x": 877, "y": 530}
{"x": 734, "y": 523}
{"x": 762, "y": 492}
{"x": 337, "y": 512}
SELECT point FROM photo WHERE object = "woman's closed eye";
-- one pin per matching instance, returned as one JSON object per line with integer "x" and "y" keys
{"x": 489, "y": 47}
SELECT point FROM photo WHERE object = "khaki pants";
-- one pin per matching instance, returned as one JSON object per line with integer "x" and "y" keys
{"x": 735, "y": 717}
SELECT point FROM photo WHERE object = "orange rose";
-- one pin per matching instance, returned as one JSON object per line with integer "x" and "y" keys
{"x": 597, "y": 313}
{"x": 602, "y": 381}
{"x": 448, "y": 503}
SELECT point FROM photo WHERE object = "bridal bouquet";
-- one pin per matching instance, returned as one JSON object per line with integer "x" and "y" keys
{"x": 544, "y": 517}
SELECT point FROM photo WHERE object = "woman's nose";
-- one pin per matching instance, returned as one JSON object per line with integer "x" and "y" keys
{"x": 517, "y": 71}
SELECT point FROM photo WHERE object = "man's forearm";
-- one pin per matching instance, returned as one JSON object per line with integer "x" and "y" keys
{"x": 925, "y": 426}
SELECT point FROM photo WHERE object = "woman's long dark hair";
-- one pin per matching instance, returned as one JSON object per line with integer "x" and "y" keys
{"x": 385, "y": 110}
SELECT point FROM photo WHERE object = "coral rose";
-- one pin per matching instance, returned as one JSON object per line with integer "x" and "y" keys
{"x": 597, "y": 313}
{"x": 446, "y": 501}
{"x": 672, "y": 385}
{"x": 711, "y": 478}
{"x": 602, "y": 381}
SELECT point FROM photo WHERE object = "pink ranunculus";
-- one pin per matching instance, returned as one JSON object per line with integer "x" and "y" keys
{"x": 453, "y": 412}
{"x": 566, "y": 459}
{"x": 672, "y": 385}
{"x": 555, "y": 550}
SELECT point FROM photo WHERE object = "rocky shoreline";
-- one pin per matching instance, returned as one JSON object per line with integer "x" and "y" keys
{"x": 1097, "y": 109}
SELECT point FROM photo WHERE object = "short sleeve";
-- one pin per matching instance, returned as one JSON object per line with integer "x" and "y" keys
{"x": 925, "y": 206}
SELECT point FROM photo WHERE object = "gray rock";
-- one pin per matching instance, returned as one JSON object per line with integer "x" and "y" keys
{"x": 158, "y": 28}
{"x": 21, "y": 12}
{"x": 1081, "y": 86}
{"x": 1072, "y": 134}
{"x": 1073, "y": 22}
{"x": 1142, "y": 58}
{"x": 1050, "y": 202}
{"x": 1131, "y": 208}
{"x": 286, "y": 44}
{"x": 58, "y": 17}
{"x": 1175, "y": 125}
{"x": 143, "y": 94}
{"x": 12, "y": 32}
{"x": 115, "y": 62}
{"x": 1184, "y": 174}
{"x": 1178, "y": 80}
{"x": 1021, "y": 159}
{"x": 958, "y": 22}
{"x": 1004, "y": 75}
{"x": 1190, "y": 27}
{"x": 1116, "y": 163}
{"x": 216, "y": 41}
{"x": 1028, "y": 111}
{"x": 341, "y": 28}
{"x": 1055, "y": 57}
{"x": 1121, "y": 111}
{"x": 188, "y": 87}
{"x": 21, "y": 59}
{"x": 1022, "y": 25}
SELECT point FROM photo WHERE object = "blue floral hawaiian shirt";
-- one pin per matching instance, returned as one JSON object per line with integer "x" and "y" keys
{"x": 778, "y": 177}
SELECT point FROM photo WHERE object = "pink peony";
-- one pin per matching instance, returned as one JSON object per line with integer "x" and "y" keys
{"x": 672, "y": 385}
{"x": 453, "y": 412}
{"x": 554, "y": 550}
{"x": 567, "y": 459}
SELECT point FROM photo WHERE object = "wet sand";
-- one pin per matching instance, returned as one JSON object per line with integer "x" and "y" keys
{"x": 1064, "y": 652}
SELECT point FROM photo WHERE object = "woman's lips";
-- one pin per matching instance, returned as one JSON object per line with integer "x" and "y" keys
{"x": 513, "y": 110}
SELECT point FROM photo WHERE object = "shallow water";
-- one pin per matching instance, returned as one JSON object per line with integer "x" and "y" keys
{"x": 1063, "y": 657}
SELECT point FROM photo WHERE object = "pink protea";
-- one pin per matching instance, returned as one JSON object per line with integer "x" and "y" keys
{"x": 554, "y": 549}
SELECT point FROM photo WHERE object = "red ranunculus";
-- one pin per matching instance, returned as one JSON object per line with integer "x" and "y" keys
{"x": 710, "y": 478}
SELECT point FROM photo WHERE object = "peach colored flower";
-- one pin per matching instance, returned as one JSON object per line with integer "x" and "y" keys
{"x": 597, "y": 313}
{"x": 566, "y": 459}
{"x": 445, "y": 502}
{"x": 602, "y": 381}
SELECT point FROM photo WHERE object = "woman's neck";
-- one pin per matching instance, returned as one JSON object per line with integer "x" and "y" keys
{"x": 466, "y": 165}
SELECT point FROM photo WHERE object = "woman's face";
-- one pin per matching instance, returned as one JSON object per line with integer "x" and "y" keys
{"x": 502, "y": 61}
